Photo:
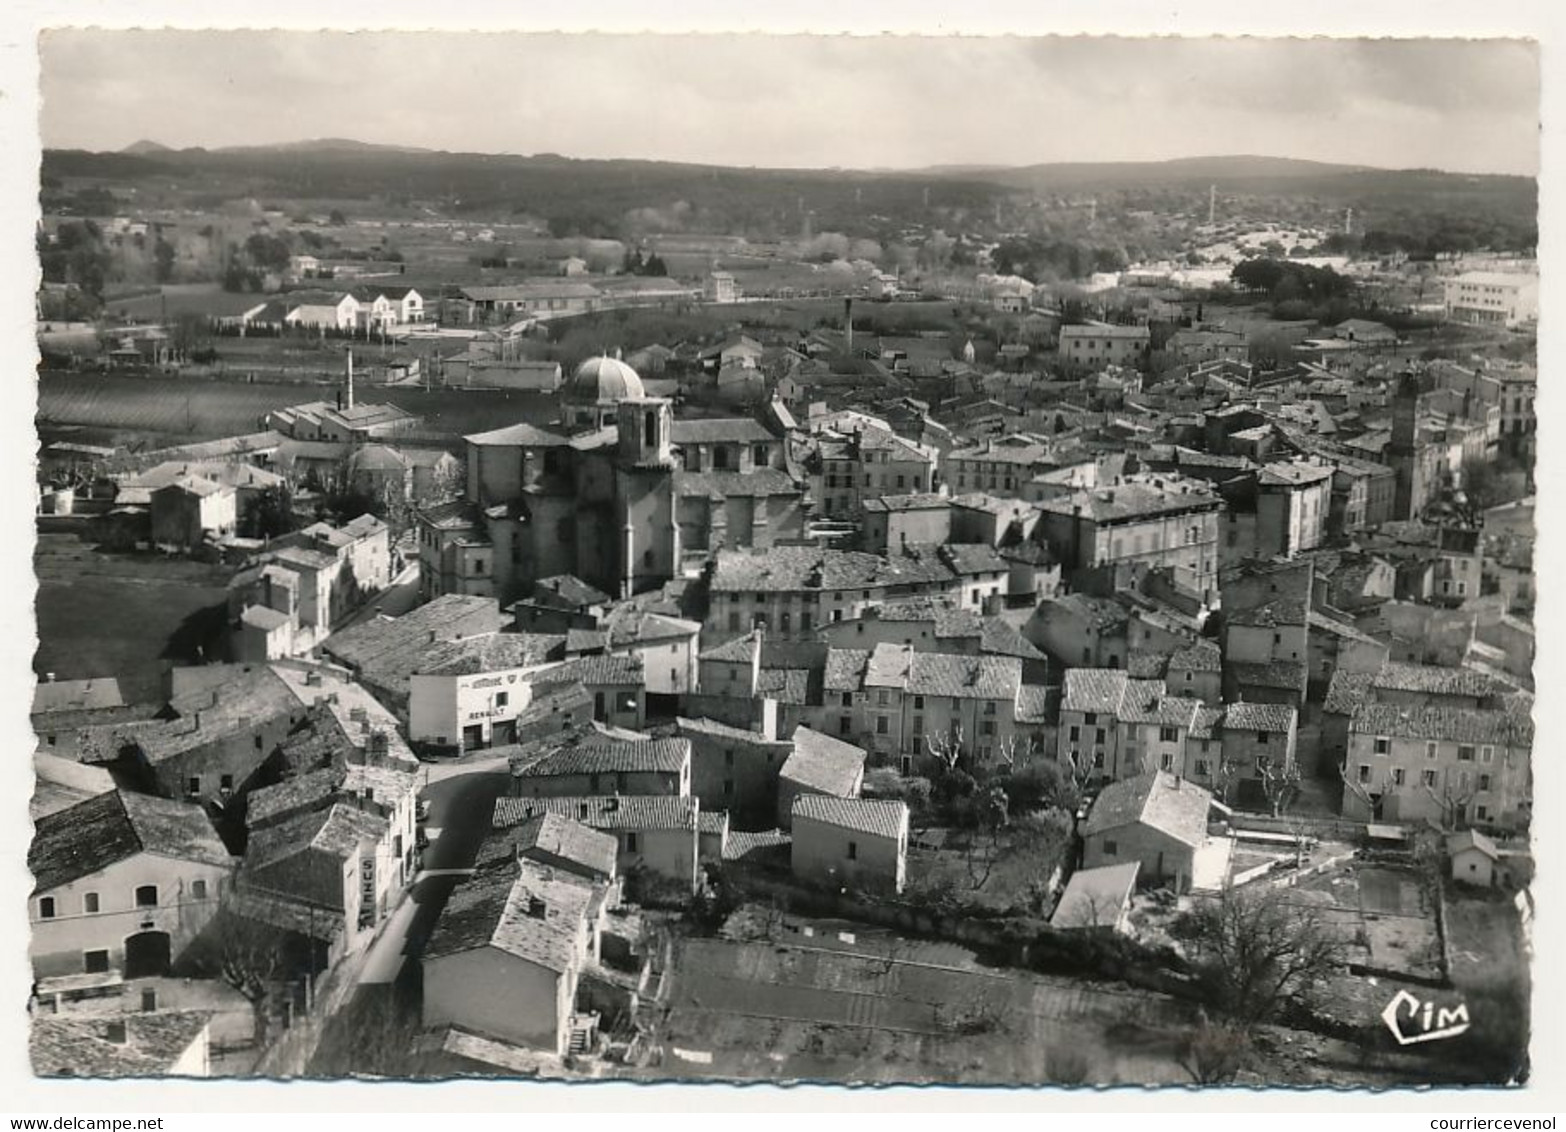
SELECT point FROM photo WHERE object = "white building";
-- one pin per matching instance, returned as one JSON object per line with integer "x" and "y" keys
{"x": 1493, "y": 298}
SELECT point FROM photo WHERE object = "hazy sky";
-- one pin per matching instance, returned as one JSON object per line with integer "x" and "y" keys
{"x": 805, "y": 101}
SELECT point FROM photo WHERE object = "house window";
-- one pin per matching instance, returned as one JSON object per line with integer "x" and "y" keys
{"x": 1465, "y": 753}
{"x": 1397, "y": 776}
{"x": 46, "y": 908}
{"x": 1089, "y": 718}
{"x": 1074, "y": 734}
{"x": 1484, "y": 782}
{"x": 880, "y": 698}
{"x": 918, "y": 725}
{"x": 1098, "y": 760}
{"x": 881, "y": 724}
{"x": 1481, "y": 813}
{"x": 502, "y": 699}
{"x": 198, "y": 890}
{"x": 90, "y": 902}
{"x": 1383, "y": 745}
{"x": 1486, "y": 754}
{"x": 1201, "y": 768}
{"x": 848, "y": 699}
{"x": 1430, "y": 750}
{"x": 1166, "y": 761}
{"x": 1110, "y": 848}
{"x": 95, "y": 962}
{"x": 1261, "y": 738}
{"x": 918, "y": 703}
{"x": 149, "y": 1000}
{"x": 630, "y": 842}
{"x": 785, "y": 621}
{"x": 842, "y": 726}
{"x": 1168, "y": 734}
{"x": 193, "y": 784}
{"x": 853, "y": 850}
{"x": 1428, "y": 778}
{"x": 147, "y": 896}
{"x": 986, "y": 727}
{"x": 1364, "y": 772}
{"x": 989, "y": 707}
{"x": 226, "y": 782}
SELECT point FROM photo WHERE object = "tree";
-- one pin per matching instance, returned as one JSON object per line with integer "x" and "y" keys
{"x": 946, "y": 747}
{"x": 1451, "y": 802}
{"x": 268, "y": 514}
{"x": 253, "y": 959}
{"x": 1370, "y": 792}
{"x": 337, "y": 219}
{"x": 1280, "y": 785}
{"x": 163, "y": 260}
{"x": 1251, "y": 949}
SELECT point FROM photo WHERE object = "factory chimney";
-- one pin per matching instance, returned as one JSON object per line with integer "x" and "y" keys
{"x": 848, "y": 323}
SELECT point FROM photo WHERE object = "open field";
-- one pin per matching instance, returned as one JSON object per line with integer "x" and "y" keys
{"x": 805, "y": 1012}
{"x": 117, "y": 615}
{"x": 171, "y": 410}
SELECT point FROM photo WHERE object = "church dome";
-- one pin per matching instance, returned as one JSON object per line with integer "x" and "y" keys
{"x": 604, "y": 381}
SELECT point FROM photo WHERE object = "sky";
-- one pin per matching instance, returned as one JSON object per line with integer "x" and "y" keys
{"x": 806, "y": 101}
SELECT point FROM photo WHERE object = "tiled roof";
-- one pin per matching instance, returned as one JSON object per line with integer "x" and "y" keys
{"x": 824, "y": 764}
{"x": 88, "y": 837}
{"x": 860, "y": 815}
{"x": 950, "y": 619}
{"x": 399, "y": 643}
{"x": 998, "y": 638}
{"x": 337, "y": 831}
{"x": 762, "y": 482}
{"x": 1168, "y": 804}
{"x": 1346, "y": 692}
{"x": 303, "y": 791}
{"x": 1259, "y": 717}
{"x": 1032, "y": 704}
{"x": 742, "y": 844}
{"x": 964, "y": 677}
{"x": 918, "y": 501}
{"x": 1094, "y": 898}
{"x": 736, "y": 430}
{"x": 1454, "y": 725}
{"x": 1093, "y": 689}
{"x": 1282, "y": 612}
{"x": 966, "y": 559}
{"x": 1202, "y": 656}
{"x": 786, "y": 685}
{"x": 1286, "y": 675}
{"x": 797, "y": 569}
{"x": 1297, "y": 473}
{"x": 80, "y": 1045}
{"x": 1205, "y": 723}
{"x": 522, "y": 435}
{"x": 1134, "y": 501}
{"x": 77, "y": 695}
{"x": 1433, "y": 680}
{"x": 569, "y": 840}
{"x": 1143, "y": 665}
{"x": 1343, "y": 629}
{"x": 492, "y": 652}
{"x": 528, "y": 911}
{"x": 610, "y": 756}
{"x": 845, "y": 669}
{"x": 741, "y": 650}
{"x": 629, "y": 812}
{"x": 1099, "y": 612}
{"x": 569, "y": 589}
{"x": 592, "y": 671}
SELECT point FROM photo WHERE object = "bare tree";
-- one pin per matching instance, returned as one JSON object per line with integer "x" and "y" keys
{"x": 947, "y": 747}
{"x": 1280, "y": 785}
{"x": 1451, "y": 802}
{"x": 993, "y": 811}
{"x": 1225, "y": 774}
{"x": 1369, "y": 791}
{"x": 1251, "y": 949}
{"x": 251, "y": 958}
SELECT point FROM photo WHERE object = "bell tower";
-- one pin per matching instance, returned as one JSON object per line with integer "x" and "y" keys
{"x": 646, "y": 426}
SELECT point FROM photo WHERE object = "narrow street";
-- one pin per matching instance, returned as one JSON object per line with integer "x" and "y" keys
{"x": 378, "y": 1020}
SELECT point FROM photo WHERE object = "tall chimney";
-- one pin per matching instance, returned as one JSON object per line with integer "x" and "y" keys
{"x": 350, "y": 379}
{"x": 848, "y": 323}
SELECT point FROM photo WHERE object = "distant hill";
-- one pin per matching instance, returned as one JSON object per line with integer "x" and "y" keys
{"x": 321, "y": 145}
{"x": 145, "y": 146}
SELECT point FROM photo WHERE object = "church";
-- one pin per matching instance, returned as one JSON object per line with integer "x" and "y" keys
{"x": 620, "y": 494}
